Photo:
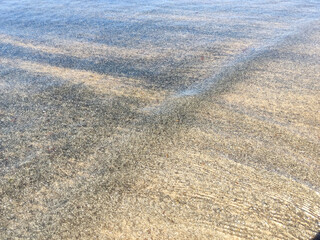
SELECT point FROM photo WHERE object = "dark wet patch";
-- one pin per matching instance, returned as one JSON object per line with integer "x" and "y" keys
{"x": 67, "y": 135}
{"x": 46, "y": 120}
{"x": 174, "y": 76}
{"x": 59, "y": 135}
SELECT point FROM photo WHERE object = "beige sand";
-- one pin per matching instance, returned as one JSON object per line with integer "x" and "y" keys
{"x": 89, "y": 155}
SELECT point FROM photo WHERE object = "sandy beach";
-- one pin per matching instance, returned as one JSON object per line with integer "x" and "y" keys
{"x": 159, "y": 119}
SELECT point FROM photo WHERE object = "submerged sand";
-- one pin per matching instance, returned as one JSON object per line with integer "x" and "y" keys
{"x": 115, "y": 142}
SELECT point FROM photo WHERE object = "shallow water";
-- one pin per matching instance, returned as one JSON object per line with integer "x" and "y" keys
{"x": 167, "y": 39}
{"x": 159, "y": 119}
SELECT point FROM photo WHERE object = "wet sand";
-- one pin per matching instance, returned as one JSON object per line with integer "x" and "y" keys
{"x": 163, "y": 121}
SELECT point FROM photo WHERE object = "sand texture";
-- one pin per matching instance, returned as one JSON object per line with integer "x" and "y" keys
{"x": 159, "y": 120}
